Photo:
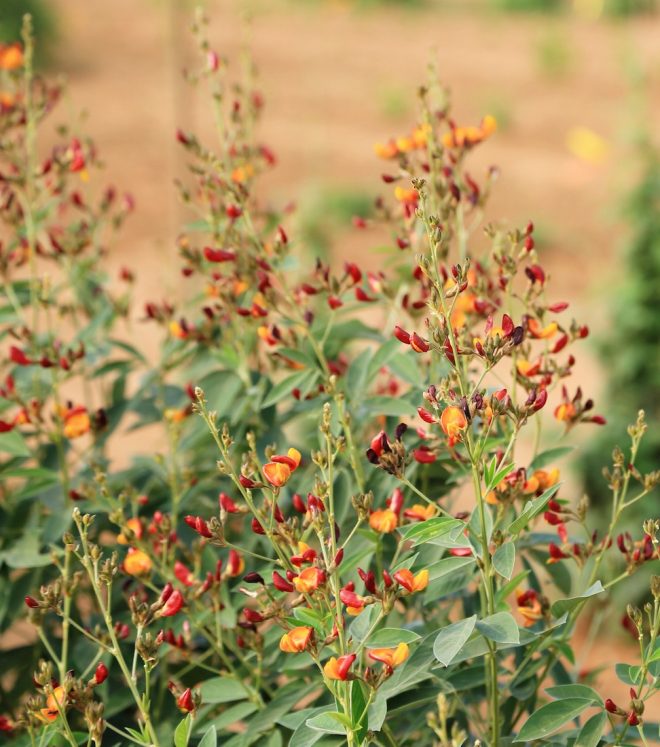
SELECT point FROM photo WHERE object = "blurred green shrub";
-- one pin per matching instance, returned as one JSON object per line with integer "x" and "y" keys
{"x": 632, "y": 340}
{"x": 43, "y": 19}
{"x": 323, "y": 209}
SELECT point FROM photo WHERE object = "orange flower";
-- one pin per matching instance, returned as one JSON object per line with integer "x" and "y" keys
{"x": 55, "y": 699}
{"x": 525, "y": 368}
{"x": 407, "y": 196}
{"x": 337, "y": 668}
{"x": 11, "y": 56}
{"x": 386, "y": 150}
{"x": 465, "y": 137}
{"x": 452, "y": 422}
{"x": 529, "y": 607}
{"x": 296, "y": 640}
{"x": 277, "y": 474}
{"x": 279, "y": 469}
{"x": 309, "y": 580}
{"x": 135, "y": 525}
{"x": 463, "y": 305}
{"x": 383, "y": 520}
{"x": 565, "y": 411}
{"x": 420, "y": 512}
{"x": 76, "y": 422}
{"x": 137, "y": 562}
{"x": 541, "y": 333}
{"x": 177, "y": 330}
{"x": 242, "y": 173}
{"x": 541, "y": 480}
{"x": 412, "y": 583}
{"x": 176, "y": 415}
{"x": 390, "y": 657}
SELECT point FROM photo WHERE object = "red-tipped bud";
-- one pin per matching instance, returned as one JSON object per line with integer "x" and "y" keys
{"x": 101, "y": 673}
{"x": 32, "y": 603}
{"x": 185, "y": 701}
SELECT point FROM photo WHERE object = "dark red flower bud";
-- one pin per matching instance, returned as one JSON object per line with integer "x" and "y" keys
{"x": 252, "y": 616}
{"x": 402, "y": 336}
{"x": 227, "y": 504}
{"x": 219, "y": 255}
{"x": 387, "y": 579}
{"x": 101, "y": 673}
{"x": 173, "y": 604}
{"x": 425, "y": 415}
{"x": 233, "y": 212}
{"x": 611, "y": 706}
{"x": 552, "y": 519}
{"x": 185, "y": 701}
{"x": 32, "y": 603}
{"x": 633, "y": 719}
{"x": 253, "y": 578}
{"x": 199, "y": 525}
{"x": 256, "y": 527}
{"x": 419, "y": 344}
{"x": 280, "y": 583}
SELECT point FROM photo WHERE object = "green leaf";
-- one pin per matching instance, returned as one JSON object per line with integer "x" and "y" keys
{"x": 284, "y": 388}
{"x": 592, "y": 731}
{"x": 394, "y": 406}
{"x": 548, "y": 457}
{"x": 497, "y": 476}
{"x": 504, "y": 559}
{"x": 558, "y": 692}
{"x": 391, "y": 637}
{"x": 359, "y": 716}
{"x": 210, "y": 738}
{"x": 551, "y": 717}
{"x": 566, "y": 605}
{"x": 426, "y": 531}
{"x": 500, "y": 627}
{"x": 451, "y": 639}
{"x": 405, "y": 366}
{"x": 531, "y": 510}
{"x": 182, "y": 732}
{"x": 13, "y": 443}
{"x": 330, "y": 722}
{"x": 222, "y": 690}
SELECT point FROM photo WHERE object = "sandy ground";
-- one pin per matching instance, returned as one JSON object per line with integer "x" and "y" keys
{"x": 330, "y": 76}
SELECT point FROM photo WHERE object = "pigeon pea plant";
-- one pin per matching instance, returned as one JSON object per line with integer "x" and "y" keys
{"x": 335, "y": 529}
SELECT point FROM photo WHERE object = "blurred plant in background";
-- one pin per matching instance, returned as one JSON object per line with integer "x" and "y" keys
{"x": 43, "y": 19}
{"x": 630, "y": 348}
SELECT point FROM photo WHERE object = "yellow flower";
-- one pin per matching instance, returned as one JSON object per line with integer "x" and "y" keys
{"x": 586, "y": 145}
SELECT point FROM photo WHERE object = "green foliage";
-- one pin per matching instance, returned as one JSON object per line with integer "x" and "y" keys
{"x": 629, "y": 348}
{"x": 43, "y": 18}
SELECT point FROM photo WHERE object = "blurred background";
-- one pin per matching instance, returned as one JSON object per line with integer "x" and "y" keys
{"x": 574, "y": 85}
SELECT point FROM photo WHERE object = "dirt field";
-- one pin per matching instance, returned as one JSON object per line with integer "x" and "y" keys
{"x": 336, "y": 81}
